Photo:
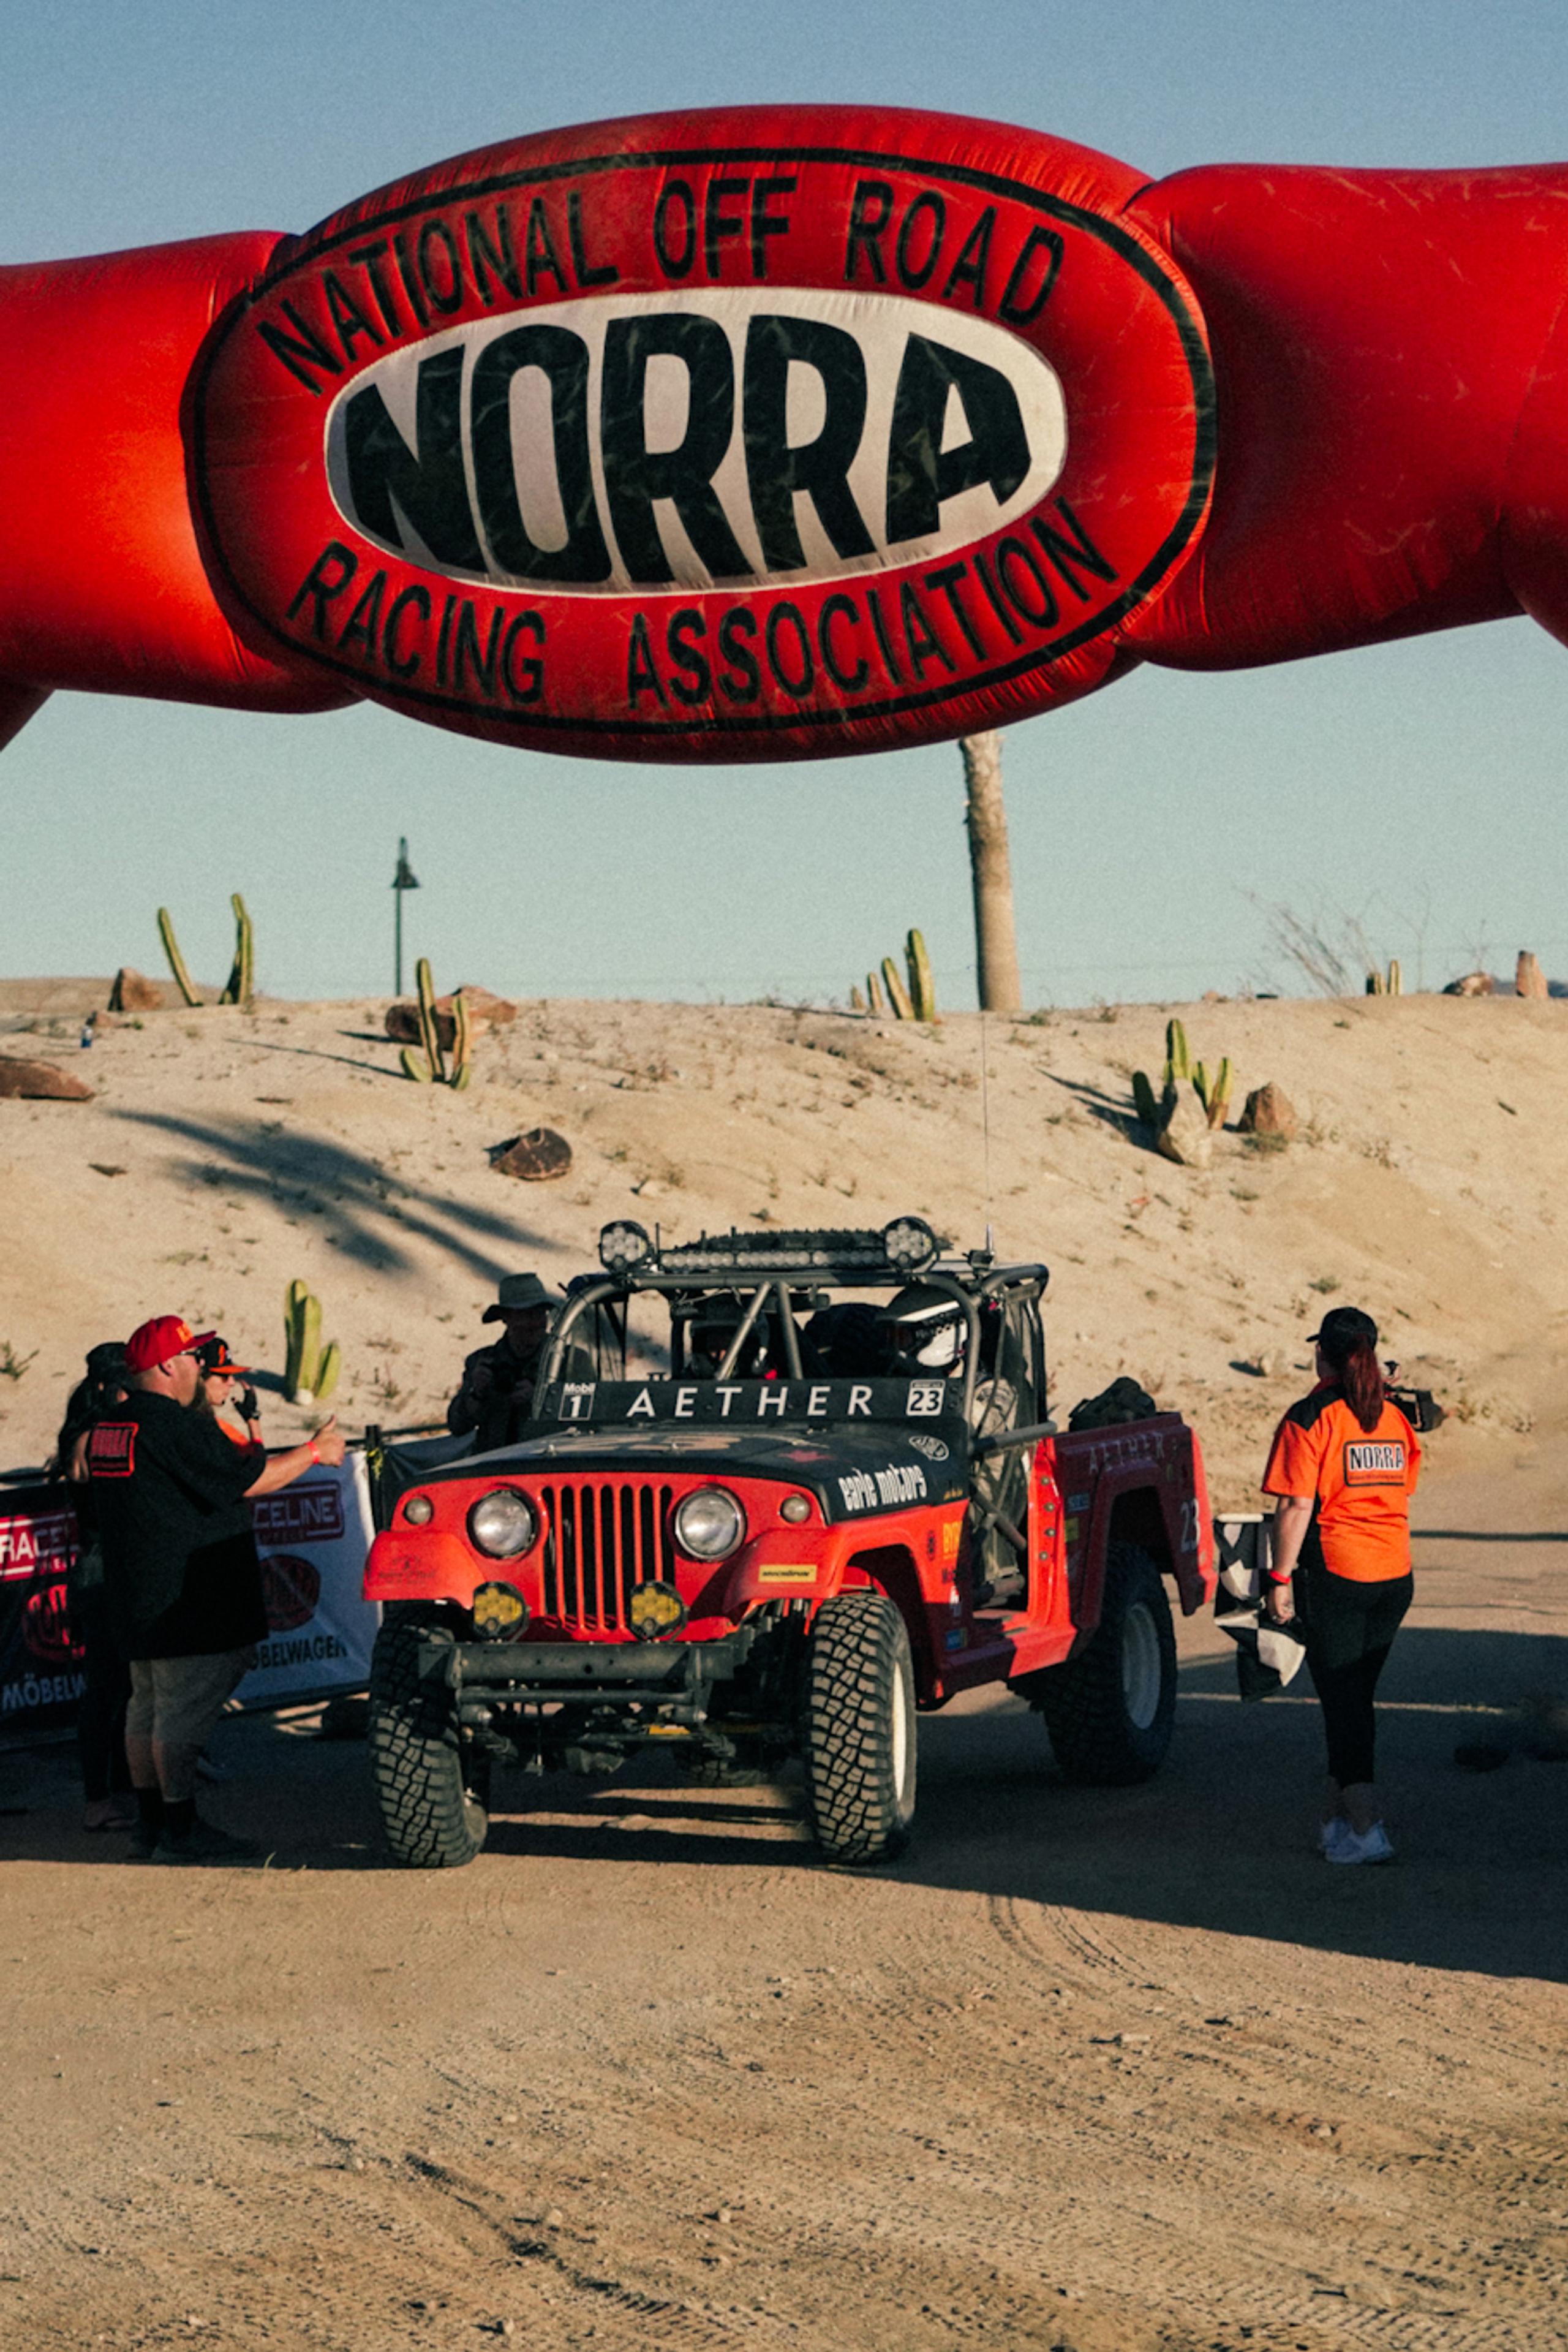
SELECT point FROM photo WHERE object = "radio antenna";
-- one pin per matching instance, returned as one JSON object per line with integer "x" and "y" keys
{"x": 985, "y": 1121}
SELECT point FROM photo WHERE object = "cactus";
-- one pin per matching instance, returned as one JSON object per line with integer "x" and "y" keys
{"x": 857, "y": 1001}
{"x": 1396, "y": 978}
{"x": 462, "y": 1044}
{"x": 1375, "y": 984}
{"x": 310, "y": 1371}
{"x": 922, "y": 987}
{"x": 1200, "y": 1082}
{"x": 302, "y": 1333}
{"x": 1144, "y": 1100}
{"x": 1177, "y": 1064}
{"x": 430, "y": 1036}
{"x": 239, "y": 987}
{"x": 873, "y": 993}
{"x": 414, "y": 1066}
{"x": 1217, "y": 1101}
{"x": 176, "y": 961}
{"x": 897, "y": 994}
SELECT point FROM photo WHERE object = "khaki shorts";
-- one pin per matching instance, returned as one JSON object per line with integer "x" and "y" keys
{"x": 176, "y": 1701}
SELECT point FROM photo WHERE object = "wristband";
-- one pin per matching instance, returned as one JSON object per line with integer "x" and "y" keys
{"x": 310, "y": 1442}
{"x": 1281, "y": 1576}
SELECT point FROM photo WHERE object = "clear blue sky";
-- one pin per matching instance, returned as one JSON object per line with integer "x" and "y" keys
{"x": 1415, "y": 785}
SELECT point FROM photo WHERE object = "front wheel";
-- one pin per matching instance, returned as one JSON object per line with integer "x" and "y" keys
{"x": 860, "y": 1728}
{"x": 430, "y": 1794}
{"x": 1111, "y": 1710}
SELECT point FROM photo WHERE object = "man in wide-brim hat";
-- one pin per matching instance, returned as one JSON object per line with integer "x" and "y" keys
{"x": 497, "y": 1386}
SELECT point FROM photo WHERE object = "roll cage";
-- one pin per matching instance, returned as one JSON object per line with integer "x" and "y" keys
{"x": 767, "y": 1273}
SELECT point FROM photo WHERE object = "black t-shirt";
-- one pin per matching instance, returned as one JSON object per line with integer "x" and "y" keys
{"x": 181, "y": 1570}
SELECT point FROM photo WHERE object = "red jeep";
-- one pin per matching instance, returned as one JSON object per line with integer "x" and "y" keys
{"x": 836, "y": 1502}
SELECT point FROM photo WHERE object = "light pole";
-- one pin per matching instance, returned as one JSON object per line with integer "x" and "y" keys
{"x": 405, "y": 879}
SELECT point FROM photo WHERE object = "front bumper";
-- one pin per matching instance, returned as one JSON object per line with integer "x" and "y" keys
{"x": 677, "y": 1677}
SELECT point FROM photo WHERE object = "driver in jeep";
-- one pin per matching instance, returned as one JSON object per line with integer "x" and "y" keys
{"x": 927, "y": 1331}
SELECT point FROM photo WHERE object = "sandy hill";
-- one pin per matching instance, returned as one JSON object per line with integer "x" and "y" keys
{"x": 226, "y": 1152}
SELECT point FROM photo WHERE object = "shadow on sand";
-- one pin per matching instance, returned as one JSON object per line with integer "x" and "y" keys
{"x": 363, "y": 1211}
{"x": 1220, "y": 1839}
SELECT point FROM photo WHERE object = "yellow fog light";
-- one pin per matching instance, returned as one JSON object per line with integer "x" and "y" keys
{"x": 655, "y": 1609}
{"x": 500, "y": 1613}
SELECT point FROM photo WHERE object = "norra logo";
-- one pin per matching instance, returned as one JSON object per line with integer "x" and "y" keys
{"x": 680, "y": 440}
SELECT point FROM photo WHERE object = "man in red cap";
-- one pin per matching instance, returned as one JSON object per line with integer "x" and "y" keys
{"x": 181, "y": 1575}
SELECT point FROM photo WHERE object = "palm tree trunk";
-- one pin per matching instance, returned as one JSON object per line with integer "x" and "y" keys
{"x": 995, "y": 939}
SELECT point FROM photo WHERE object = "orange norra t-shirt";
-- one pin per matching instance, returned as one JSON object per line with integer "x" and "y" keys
{"x": 1361, "y": 1480}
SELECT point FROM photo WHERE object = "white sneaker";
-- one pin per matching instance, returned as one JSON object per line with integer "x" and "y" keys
{"x": 1373, "y": 1845}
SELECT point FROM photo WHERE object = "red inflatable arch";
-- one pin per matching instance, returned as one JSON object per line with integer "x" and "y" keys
{"x": 764, "y": 433}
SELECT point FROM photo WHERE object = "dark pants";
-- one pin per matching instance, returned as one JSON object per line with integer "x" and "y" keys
{"x": 1349, "y": 1630}
{"x": 101, "y": 1712}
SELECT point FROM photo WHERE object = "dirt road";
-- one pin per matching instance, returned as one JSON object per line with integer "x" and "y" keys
{"x": 1109, "y": 2070}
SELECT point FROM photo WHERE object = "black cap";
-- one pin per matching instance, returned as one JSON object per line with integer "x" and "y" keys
{"x": 1343, "y": 1330}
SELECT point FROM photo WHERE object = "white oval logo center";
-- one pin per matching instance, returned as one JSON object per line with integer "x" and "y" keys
{"x": 672, "y": 442}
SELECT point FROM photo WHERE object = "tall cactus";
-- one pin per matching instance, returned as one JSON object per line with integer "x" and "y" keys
{"x": 302, "y": 1333}
{"x": 857, "y": 1001}
{"x": 922, "y": 987}
{"x": 1396, "y": 978}
{"x": 897, "y": 994}
{"x": 310, "y": 1371}
{"x": 176, "y": 961}
{"x": 462, "y": 1044}
{"x": 240, "y": 986}
{"x": 430, "y": 1035}
{"x": 1217, "y": 1100}
{"x": 1177, "y": 1064}
{"x": 873, "y": 993}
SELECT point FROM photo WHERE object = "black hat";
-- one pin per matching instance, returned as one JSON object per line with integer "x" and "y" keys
{"x": 1343, "y": 1330}
{"x": 515, "y": 1294}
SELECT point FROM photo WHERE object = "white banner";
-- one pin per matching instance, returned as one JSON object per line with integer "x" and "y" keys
{"x": 313, "y": 1538}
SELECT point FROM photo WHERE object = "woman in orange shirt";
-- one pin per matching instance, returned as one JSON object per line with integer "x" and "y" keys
{"x": 1344, "y": 1466}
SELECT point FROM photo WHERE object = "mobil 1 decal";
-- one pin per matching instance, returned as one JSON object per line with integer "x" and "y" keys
{"x": 759, "y": 434}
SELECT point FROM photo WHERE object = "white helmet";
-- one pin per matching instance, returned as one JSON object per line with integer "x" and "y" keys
{"x": 925, "y": 1325}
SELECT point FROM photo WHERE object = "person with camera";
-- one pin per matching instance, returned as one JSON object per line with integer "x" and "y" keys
{"x": 1342, "y": 1468}
{"x": 181, "y": 1574}
{"x": 225, "y": 1387}
{"x": 496, "y": 1393}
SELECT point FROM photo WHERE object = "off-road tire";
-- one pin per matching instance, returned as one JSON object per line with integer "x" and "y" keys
{"x": 428, "y": 1791}
{"x": 859, "y": 1732}
{"x": 1110, "y": 1710}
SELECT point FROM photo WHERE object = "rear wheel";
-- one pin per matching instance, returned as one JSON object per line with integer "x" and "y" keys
{"x": 860, "y": 1728}
{"x": 431, "y": 1794}
{"x": 1110, "y": 1710}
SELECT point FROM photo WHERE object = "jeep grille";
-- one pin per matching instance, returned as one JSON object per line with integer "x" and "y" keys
{"x": 607, "y": 1535}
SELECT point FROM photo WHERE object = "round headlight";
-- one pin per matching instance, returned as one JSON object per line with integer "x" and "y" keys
{"x": 709, "y": 1525}
{"x": 909, "y": 1242}
{"x": 503, "y": 1524}
{"x": 623, "y": 1245}
{"x": 419, "y": 1510}
{"x": 795, "y": 1510}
